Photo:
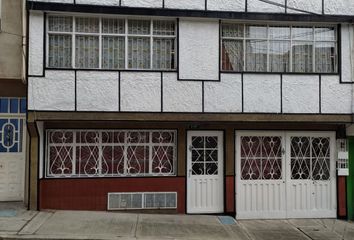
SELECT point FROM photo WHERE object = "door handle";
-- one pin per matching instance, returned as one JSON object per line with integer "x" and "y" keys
{"x": 189, "y": 172}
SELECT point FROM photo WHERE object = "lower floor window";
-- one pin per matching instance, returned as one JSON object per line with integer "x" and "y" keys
{"x": 106, "y": 153}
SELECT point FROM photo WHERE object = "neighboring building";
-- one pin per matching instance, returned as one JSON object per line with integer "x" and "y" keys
{"x": 12, "y": 101}
{"x": 190, "y": 106}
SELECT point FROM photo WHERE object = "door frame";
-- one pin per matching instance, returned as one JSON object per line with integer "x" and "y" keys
{"x": 223, "y": 168}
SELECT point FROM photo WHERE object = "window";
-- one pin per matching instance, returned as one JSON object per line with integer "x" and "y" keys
{"x": 107, "y": 153}
{"x": 272, "y": 48}
{"x": 110, "y": 43}
{"x": 11, "y": 127}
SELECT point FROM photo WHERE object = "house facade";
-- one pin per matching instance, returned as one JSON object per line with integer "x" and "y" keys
{"x": 217, "y": 106}
{"x": 12, "y": 102}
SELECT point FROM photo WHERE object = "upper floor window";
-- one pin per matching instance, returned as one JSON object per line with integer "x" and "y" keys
{"x": 110, "y": 43}
{"x": 268, "y": 48}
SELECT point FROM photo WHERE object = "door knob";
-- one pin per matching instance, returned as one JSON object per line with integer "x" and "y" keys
{"x": 189, "y": 172}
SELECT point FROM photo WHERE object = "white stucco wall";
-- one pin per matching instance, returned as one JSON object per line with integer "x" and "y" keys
{"x": 97, "y": 91}
{"x": 258, "y": 6}
{"x": 313, "y": 6}
{"x": 142, "y": 3}
{"x": 35, "y": 53}
{"x": 181, "y": 96}
{"x": 347, "y": 51}
{"x": 300, "y": 94}
{"x": 224, "y": 96}
{"x": 55, "y": 91}
{"x": 335, "y": 98}
{"x": 262, "y": 93}
{"x": 140, "y": 91}
{"x": 185, "y": 4}
{"x": 339, "y": 7}
{"x": 198, "y": 49}
{"x": 226, "y": 5}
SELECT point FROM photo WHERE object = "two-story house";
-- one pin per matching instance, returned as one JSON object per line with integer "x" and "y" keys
{"x": 190, "y": 106}
{"x": 12, "y": 101}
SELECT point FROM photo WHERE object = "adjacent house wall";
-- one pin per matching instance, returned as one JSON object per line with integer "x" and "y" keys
{"x": 11, "y": 40}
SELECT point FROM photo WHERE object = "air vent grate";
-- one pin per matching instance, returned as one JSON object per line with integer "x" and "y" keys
{"x": 145, "y": 200}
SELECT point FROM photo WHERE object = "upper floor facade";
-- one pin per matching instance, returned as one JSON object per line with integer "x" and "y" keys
{"x": 281, "y": 57}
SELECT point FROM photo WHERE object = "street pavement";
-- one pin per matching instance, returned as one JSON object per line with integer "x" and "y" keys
{"x": 17, "y": 223}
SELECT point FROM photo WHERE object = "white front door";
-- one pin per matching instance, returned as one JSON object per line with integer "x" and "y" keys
{"x": 12, "y": 159}
{"x": 205, "y": 178}
{"x": 285, "y": 175}
{"x": 260, "y": 175}
{"x": 311, "y": 175}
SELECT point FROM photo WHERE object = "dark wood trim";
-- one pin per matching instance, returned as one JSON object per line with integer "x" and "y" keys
{"x": 44, "y": 6}
{"x": 188, "y": 117}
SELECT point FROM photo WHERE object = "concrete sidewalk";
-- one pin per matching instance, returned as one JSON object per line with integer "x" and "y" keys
{"x": 108, "y": 225}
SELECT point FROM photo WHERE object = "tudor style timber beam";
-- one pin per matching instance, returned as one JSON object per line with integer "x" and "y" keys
{"x": 68, "y": 7}
{"x": 189, "y": 117}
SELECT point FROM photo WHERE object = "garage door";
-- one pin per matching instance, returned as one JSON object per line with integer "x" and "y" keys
{"x": 285, "y": 175}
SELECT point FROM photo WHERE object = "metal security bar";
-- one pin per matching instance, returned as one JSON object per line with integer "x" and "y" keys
{"x": 111, "y": 153}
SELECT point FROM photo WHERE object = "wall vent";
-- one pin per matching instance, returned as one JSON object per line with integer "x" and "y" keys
{"x": 142, "y": 200}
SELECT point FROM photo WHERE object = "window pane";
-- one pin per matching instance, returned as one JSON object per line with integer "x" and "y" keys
{"x": 60, "y": 51}
{"x": 256, "y": 31}
{"x": 325, "y": 53}
{"x": 302, "y": 33}
{"x": 256, "y": 55}
{"x": 139, "y": 27}
{"x": 60, "y": 24}
{"x": 233, "y": 30}
{"x": 164, "y": 53}
{"x": 111, "y": 25}
{"x": 325, "y": 34}
{"x": 87, "y": 25}
{"x": 279, "y": 56}
{"x": 232, "y": 55}
{"x": 164, "y": 28}
{"x": 113, "y": 50}
{"x": 87, "y": 52}
{"x": 279, "y": 33}
{"x": 302, "y": 57}
{"x": 138, "y": 52}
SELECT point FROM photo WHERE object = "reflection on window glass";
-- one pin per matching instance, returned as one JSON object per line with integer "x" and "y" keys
{"x": 299, "y": 49}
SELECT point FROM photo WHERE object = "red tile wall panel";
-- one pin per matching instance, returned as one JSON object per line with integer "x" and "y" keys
{"x": 342, "y": 203}
{"x": 230, "y": 194}
{"x": 91, "y": 194}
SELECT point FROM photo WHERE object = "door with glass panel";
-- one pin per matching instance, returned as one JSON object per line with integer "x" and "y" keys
{"x": 205, "y": 183}
{"x": 260, "y": 175}
{"x": 311, "y": 183}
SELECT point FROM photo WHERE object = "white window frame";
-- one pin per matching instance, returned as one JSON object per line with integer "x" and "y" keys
{"x": 126, "y": 35}
{"x": 291, "y": 40}
{"x": 100, "y": 146}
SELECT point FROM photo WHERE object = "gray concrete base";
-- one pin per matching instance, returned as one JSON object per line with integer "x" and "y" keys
{"x": 108, "y": 225}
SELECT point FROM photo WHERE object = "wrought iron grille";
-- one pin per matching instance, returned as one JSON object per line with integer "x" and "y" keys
{"x": 261, "y": 158}
{"x": 204, "y": 155}
{"x": 310, "y": 158}
{"x": 107, "y": 153}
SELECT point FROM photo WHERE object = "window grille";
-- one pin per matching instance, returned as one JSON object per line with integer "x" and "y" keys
{"x": 110, "y": 43}
{"x": 12, "y": 120}
{"x": 272, "y": 48}
{"x": 110, "y": 153}
{"x": 343, "y": 157}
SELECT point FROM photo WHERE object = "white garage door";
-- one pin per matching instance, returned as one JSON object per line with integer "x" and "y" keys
{"x": 285, "y": 175}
